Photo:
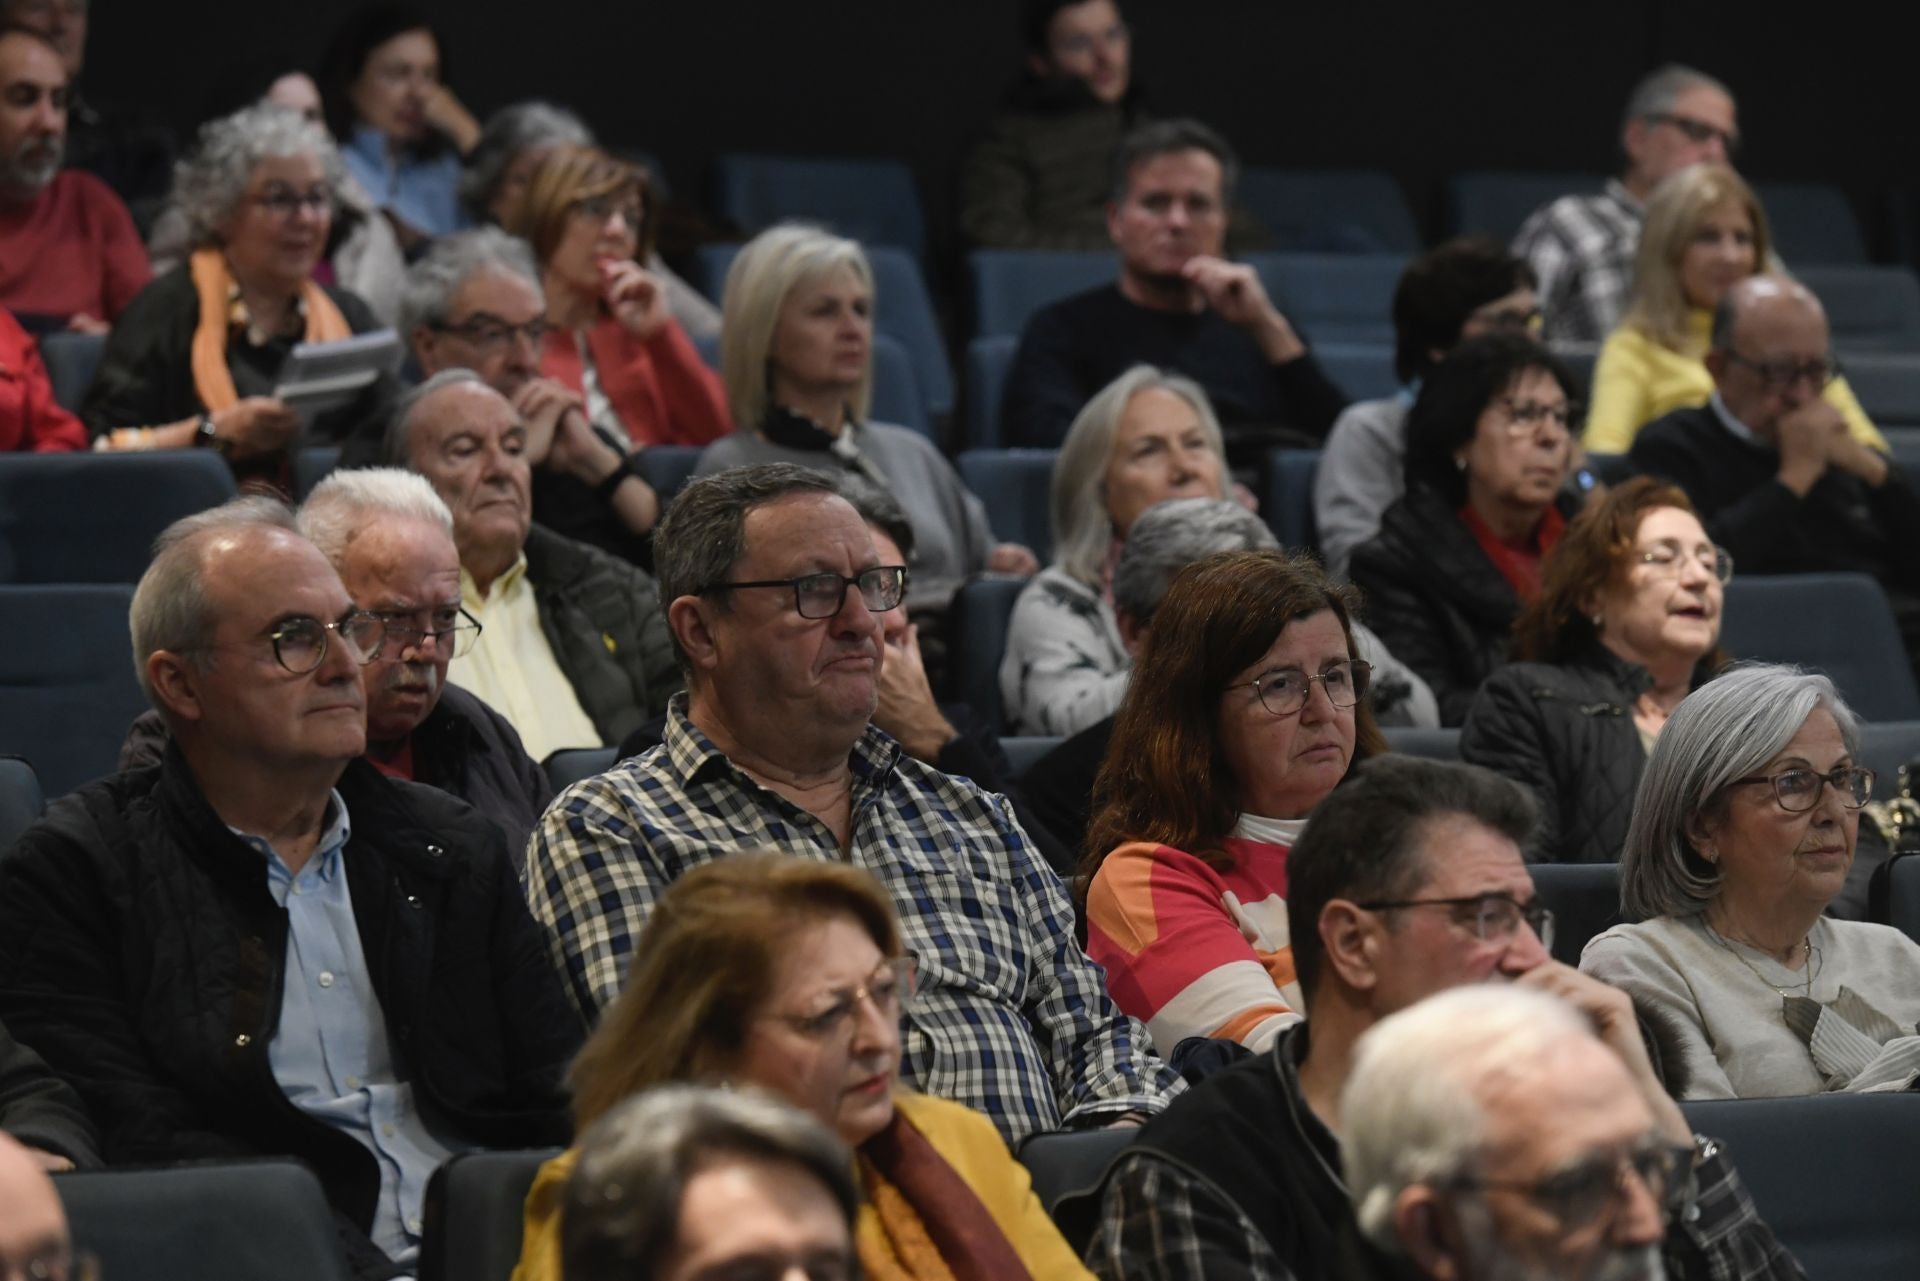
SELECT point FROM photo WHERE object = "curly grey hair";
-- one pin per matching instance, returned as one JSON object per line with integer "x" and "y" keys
{"x": 426, "y": 293}
{"x": 209, "y": 182}
{"x": 515, "y": 128}
{"x": 1168, "y": 537}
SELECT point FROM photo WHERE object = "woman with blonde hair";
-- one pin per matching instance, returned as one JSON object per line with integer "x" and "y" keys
{"x": 1705, "y": 232}
{"x": 788, "y": 974}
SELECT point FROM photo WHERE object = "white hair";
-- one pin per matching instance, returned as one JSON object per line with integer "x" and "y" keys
{"x": 348, "y": 502}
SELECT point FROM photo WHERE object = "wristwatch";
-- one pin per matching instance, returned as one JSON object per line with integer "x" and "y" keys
{"x": 205, "y": 435}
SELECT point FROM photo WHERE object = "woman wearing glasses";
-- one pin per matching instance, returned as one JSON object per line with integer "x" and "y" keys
{"x": 787, "y": 974}
{"x": 1705, "y": 232}
{"x": 1742, "y": 835}
{"x": 1460, "y": 553}
{"x": 1246, "y": 708}
{"x": 611, "y": 337}
{"x": 1626, "y": 625}
{"x": 195, "y": 358}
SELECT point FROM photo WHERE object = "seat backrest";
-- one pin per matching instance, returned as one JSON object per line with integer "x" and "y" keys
{"x": 1067, "y": 1166}
{"x": 1363, "y": 370}
{"x": 1014, "y": 484}
{"x": 1495, "y": 202}
{"x": 1286, "y": 497}
{"x": 988, "y": 360}
{"x": 872, "y": 201}
{"x": 1429, "y": 744}
{"x": 1839, "y": 624}
{"x": 473, "y": 1215}
{"x": 571, "y": 764}
{"x": 311, "y": 466}
{"x": 1334, "y": 298}
{"x": 1869, "y": 309}
{"x": 1832, "y": 1175}
{"x": 20, "y": 800}
{"x": 1884, "y": 747}
{"x": 67, "y": 684}
{"x": 234, "y": 1221}
{"x": 1330, "y": 210}
{"x": 896, "y": 389}
{"x": 1022, "y": 749}
{"x": 977, "y": 641}
{"x": 1009, "y": 285}
{"x": 668, "y": 468}
{"x": 92, "y": 518}
{"x": 1811, "y": 222}
{"x": 1903, "y": 895}
{"x": 1887, "y": 385}
{"x": 1584, "y": 899}
{"x": 71, "y": 361}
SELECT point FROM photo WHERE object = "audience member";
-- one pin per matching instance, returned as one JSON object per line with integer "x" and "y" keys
{"x": 401, "y": 129}
{"x": 1627, "y": 623}
{"x": 1040, "y": 176}
{"x": 1177, "y": 305}
{"x": 197, "y": 356}
{"x": 1769, "y": 463}
{"x": 789, "y": 974}
{"x": 1410, "y": 881}
{"x": 1744, "y": 835}
{"x": 612, "y": 337}
{"x": 31, "y": 419}
{"x": 1581, "y": 247}
{"x": 474, "y": 301}
{"x": 1464, "y": 289}
{"x": 573, "y": 650}
{"x": 263, "y": 946}
{"x": 1247, "y": 710}
{"x": 33, "y": 1223}
{"x": 773, "y": 745}
{"x": 1706, "y": 232}
{"x": 686, "y": 1183}
{"x": 40, "y": 1111}
{"x": 797, "y": 352}
{"x": 1498, "y": 1133}
{"x": 70, "y": 256}
{"x": 1459, "y": 554}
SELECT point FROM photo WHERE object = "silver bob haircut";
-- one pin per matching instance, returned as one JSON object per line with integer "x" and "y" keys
{"x": 1168, "y": 537}
{"x": 426, "y": 293}
{"x": 347, "y": 503}
{"x": 620, "y": 1212}
{"x": 1729, "y": 728}
{"x": 517, "y": 127}
{"x": 210, "y": 182}
{"x": 170, "y": 610}
{"x": 1656, "y": 91}
{"x": 1082, "y": 529}
{"x": 394, "y": 449}
{"x": 772, "y": 265}
{"x": 1414, "y": 1108}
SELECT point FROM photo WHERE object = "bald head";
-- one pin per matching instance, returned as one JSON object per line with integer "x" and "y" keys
{"x": 33, "y": 1225}
{"x": 1763, "y": 294}
{"x": 1769, "y": 354}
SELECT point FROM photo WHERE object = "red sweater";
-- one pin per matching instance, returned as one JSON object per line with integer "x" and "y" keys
{"x": 30, "y": 418}
{"x": 71, "y": 249}
{"x": 662, "y": 390}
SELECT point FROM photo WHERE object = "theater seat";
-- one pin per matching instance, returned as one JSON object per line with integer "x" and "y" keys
{"x": 1903, "y": 895}
{"x": 1887, "y": 385}
{"x": 1286, "y": 497}
{"x": 311, "y": 466}
{"x": 872, "y": 201}
{"x": 1839, "y": 624}
{"x": 473, "y": 1215}
{"x": 1364, "y": 370}
{"x": 237, "y": 1221}
{"x": 1432, "y": 744}
{"x": 1495, "y": 203}
{"x": 1014, "y": 485}
{"x": 92, "y": 518}
{"x": 1009, "y": 285}
{"x": 988, "y": 360}
{"x": 1351, "y": 211}
{"x": 1584, "y": 899}
{"x": 1334, "y": 298}
{"x": 1811, "y": 222}
{"x": 1869, "y": 309}
{"x": 571, "y": 764}
{"x": 67, "y": 685}
{"x": 20, "y": 801}
{"x": 977, "y": 641}
{"x": 1066, "y": 1169}
{"x": 71, "y": 360}
{"x": 668, "y": 468}
{"x": 1022, "y": 749}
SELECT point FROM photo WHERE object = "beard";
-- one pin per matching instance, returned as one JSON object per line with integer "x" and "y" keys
{"x": 33, "y": 166}
{"x": 1493, "y": 1261}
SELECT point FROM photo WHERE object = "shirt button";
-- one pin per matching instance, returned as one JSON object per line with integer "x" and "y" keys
{"x": 353, "y": 1083}
{"x": 386, "y": 1130}
{"x": 243, "y": 1040}
{"x": 326, "y": 978}
{"x": 413, "y": 1226}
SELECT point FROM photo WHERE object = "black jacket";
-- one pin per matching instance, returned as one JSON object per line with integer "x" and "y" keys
{"x": 41, "y": 1110}
{"x": 142, "y": 954}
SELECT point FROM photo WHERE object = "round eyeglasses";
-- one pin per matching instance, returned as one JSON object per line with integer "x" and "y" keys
{"x": 300, "y": 644}
{"x": 1284, "y": 692}
{"x": 1798, "y": 790}
{"x": 823, "y": 595}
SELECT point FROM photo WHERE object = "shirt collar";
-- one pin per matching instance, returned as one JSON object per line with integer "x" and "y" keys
{"x": 509, "y": 581}
{"x": 1739, "y": 430}
{"x": 690, "y": 753}
{"x": 325, "y": 863}
{"x": 1616, "y": 191}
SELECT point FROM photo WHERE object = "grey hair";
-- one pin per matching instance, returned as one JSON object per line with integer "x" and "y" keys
{"x": 427, "y": 290}
{"x": 209, "y": 183}
{"x": 1658, "y": 90}
{"x": 1168, "y": 537}
{"x": 170, "y": 610}
{"x": 771, "y": 266}
{"x": 514, "y": 128}
{"x": 704, "y": 533}
{"x": 1729, "y": 728}
{"x": 1415, "y": 1107}
{"x": 620, "y": 1212}
{"x": 1742, "y": 295}
{"x": 394, "y": 448}
{"x": 347, "y": 503}
{"x": 1082, "y": 529}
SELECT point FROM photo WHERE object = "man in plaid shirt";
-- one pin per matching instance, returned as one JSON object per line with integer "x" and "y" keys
{"x": 774, "y": 591}
{"x": 1581, "y": 248}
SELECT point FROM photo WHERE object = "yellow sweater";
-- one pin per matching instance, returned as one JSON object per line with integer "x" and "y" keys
{"x": 964, "y": 1137}
{"x": 1636, "y": 380}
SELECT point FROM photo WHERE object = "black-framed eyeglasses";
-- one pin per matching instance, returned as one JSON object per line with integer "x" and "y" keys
{"x": 490, "y": 333}
{"x": 1593, "y": 1190}
{"x": 1284, "y": 692}
{"x": 1493, "y": 918}
{"x": 822, "y": 595}
{"x": 1778, "y": 375}
{"x": 1524, "y": 416}
{"x": 889, "y": 989}
{"x": 454, "y": 629}
{"x": 285, "y": 202}
{"x": 1697, "y": 130}
{"x": 1666, "y": 561}
{"x": 62, "y": 1263}
{"x": 1798, "y": 790}
{"x": 300, "y": 644}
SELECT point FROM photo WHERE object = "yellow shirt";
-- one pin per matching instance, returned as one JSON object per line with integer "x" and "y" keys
{"x": 513, "y": 670}
{"x": 964, "y": 1137}
{"x": 1636, "y": 380}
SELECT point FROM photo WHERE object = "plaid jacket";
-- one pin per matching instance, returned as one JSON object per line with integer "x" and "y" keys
{"x": 1011, "y": 1016}
{"x": 1581, "y": 250}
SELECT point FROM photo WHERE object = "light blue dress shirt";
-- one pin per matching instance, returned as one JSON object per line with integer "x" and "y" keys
{"x": 425, "y": 193}
{"x": 330, "y": 1054}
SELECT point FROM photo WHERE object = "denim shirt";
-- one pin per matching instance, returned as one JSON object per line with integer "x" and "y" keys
{"x": 423, "y": 192}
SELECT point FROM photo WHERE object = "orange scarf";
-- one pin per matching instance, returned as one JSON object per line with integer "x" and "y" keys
{"x": 214, "y": 284}
{"x": 933, "y": 1226}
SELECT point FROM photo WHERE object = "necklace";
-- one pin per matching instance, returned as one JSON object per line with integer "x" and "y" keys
{"x": 1805, "y": 985}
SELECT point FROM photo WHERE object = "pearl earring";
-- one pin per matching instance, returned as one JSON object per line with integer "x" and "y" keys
{"x": 1459, "y": 464}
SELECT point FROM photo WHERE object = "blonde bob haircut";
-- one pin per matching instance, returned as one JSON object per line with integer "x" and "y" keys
{"x": 568, "y": 177}
{"x": 771, "y": 266}
{"x": 705, "y": 964}
{"x": 1082, "y": 527}
{"x": 1674, "y": 214}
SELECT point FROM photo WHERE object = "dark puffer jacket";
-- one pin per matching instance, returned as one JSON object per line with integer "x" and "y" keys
{"x": 142, "y": 954}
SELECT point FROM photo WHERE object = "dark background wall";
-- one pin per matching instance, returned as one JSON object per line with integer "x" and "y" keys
{"x": 1826, "y": 91}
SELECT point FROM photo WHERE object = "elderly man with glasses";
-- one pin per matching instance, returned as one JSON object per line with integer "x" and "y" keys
{"x": 1581, "y": 247}
{"x": 774, "y": 595}
{"x": 1409, "y": 881}
{"x": 265, "y": 946}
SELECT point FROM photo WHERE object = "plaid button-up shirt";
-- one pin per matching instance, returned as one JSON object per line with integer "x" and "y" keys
{"x": 1011, "y": 1017}
{"x": 1581, "y": 250}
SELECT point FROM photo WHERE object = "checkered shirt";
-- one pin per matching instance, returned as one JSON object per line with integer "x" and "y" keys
{"x": 1011, "y": 1017}
{"x": 1581, "y": 249}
